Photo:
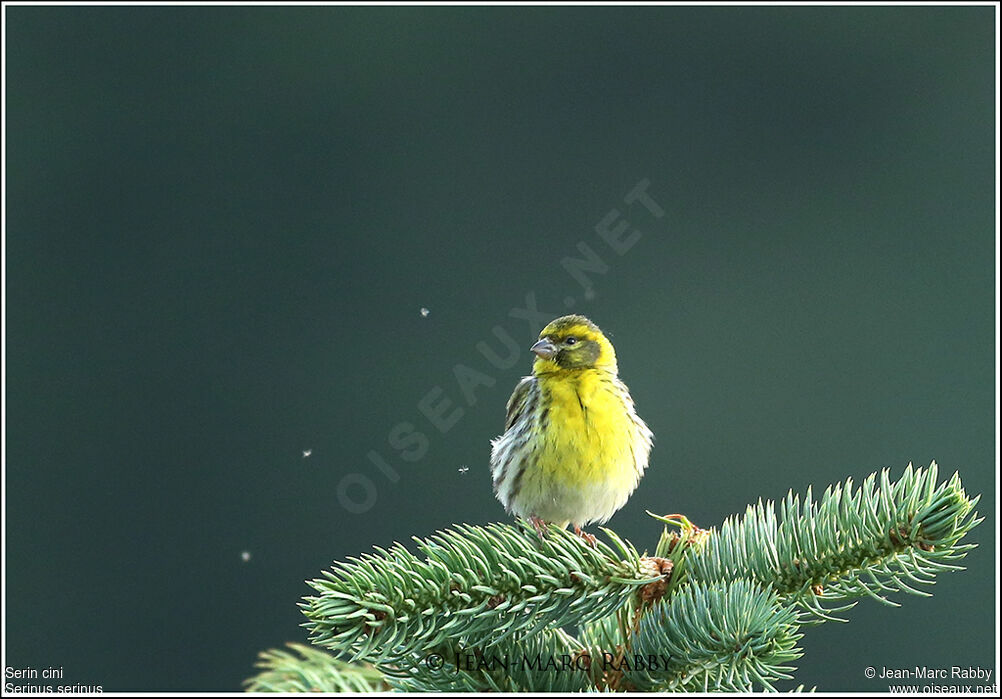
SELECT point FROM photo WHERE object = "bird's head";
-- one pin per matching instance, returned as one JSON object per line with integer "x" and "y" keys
{"x": 572, "y": 342}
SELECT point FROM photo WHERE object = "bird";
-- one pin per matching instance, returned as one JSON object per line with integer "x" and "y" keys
{"x": 574, "y": 448}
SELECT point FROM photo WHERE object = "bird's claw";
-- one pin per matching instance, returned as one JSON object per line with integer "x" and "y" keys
{"x": 588, "y": 538}
{"x": 539, "y": 524}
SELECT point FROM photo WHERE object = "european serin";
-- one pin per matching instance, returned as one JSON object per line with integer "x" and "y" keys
{"x": 574, "y": 447}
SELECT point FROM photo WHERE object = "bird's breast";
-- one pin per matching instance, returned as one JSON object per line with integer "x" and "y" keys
{"x": 590, "y": 431}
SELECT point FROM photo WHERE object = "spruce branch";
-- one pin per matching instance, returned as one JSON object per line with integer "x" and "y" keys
{"x": 717, "y": 609}
{"x": 732, "y": 636}
{"x": 306, "y": 669}
{"x": 881, "y": 538}
{"x": 478, "y": 586}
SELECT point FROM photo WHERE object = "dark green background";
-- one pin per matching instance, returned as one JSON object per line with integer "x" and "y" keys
{"x": 222, "y": 223}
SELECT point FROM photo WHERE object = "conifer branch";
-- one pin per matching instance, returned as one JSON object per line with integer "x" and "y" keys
{"x": 711, "y": 610}
{"x": 478, "y": 586}
{"x": 306, "y": 669}
{"x": 881, "y": 538}
{"x": 734, "y": 636}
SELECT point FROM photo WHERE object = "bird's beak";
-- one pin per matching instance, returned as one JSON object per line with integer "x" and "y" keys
{"x": 544, "y": 349}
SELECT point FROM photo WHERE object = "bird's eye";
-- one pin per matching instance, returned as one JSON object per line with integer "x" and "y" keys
{"x": 571, "y": 341}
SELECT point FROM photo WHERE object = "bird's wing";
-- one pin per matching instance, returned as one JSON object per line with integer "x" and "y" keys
{"x": 516, "y": 404}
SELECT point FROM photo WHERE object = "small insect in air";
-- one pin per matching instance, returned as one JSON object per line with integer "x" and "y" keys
{"x": 424, "y": 312}
{"x": 245, "y": 556}
{"x": 463, "y": 469}
{"x": 307, "y": 453}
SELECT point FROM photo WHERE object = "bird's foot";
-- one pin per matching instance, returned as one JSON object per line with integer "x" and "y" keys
{"x": 589, "y": 538}
{"x": 539, "y": 524}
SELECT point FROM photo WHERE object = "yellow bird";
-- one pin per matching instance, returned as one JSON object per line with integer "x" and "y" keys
{"x": 574, "y": 448}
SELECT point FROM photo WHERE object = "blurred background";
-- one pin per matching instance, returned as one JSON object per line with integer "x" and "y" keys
{"x": 223, "y": 224}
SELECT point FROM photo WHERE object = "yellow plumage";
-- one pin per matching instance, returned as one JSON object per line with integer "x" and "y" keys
{"x": 574, "y": 447}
